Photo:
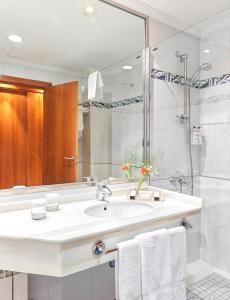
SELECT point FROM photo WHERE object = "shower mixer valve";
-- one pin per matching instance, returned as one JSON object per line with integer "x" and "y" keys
{"x": 182, "y": 117}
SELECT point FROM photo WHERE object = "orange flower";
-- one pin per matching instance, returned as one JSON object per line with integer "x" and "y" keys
{"x": 145, "y": 171}
{"x": 125, "y": 168}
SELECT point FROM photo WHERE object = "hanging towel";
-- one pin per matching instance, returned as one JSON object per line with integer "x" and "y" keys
{"x": 95, "y": 86}
{"x": 156, "y": 265}
{"x": 178, "y": 252}
{"x": 128, "y": 271}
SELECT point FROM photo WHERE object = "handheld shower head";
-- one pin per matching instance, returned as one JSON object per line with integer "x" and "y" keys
{"x": 206, "y": 66}
{"x": 203, "y": 67}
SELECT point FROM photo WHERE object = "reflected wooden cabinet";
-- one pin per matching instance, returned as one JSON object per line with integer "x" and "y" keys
{"x": 38, "y": 129}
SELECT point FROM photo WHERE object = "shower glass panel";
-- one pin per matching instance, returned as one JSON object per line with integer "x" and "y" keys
{"x": 197, "y": 152}
{"x": 174, "y": 111}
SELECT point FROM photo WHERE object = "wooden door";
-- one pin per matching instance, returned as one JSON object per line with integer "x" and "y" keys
{"x": 21, "y": 137}
{"x": 13, "y": 138}
{"x": 60, "y": 133}
{"x": 34, "y": 115}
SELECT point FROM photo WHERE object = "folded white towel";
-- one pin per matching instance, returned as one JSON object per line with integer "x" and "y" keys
{"x": 156, "y": 267}
{"x": 95, "y": 86}
{"x": 128, "y": 271}
{"x": 178, "y": 253}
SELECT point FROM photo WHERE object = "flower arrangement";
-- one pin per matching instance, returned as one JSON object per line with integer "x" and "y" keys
{"x": 145, "y": 169}
{"x": 127, "y": 170}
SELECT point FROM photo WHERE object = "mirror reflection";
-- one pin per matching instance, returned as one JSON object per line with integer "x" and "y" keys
{"x": 71, "y": 98}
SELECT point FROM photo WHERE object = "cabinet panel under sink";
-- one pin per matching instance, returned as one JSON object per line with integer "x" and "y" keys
{"x": 93, "y": 284}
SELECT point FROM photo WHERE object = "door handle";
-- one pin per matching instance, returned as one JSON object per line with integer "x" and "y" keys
{"x": 69, "y": 158}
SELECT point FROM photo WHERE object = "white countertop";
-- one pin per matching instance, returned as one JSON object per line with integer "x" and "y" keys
{"x": 70, "y": 223}
{"x": 62, "y": 244}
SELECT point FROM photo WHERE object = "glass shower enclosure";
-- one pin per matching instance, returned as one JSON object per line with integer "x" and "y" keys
{"x": 190, "y": 126}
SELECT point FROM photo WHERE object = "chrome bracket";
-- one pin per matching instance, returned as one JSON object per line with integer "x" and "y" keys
{"x": 98, "y": 248}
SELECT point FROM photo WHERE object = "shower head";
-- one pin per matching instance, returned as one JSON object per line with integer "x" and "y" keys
{"x": 206, "y": 66}
{"x": 203, "y": 67}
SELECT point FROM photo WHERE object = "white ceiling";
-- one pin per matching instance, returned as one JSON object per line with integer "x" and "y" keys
{"x": 59, "y": 33}
{"x": 189, "y": 12}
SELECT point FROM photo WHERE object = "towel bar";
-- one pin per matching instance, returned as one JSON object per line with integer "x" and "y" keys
{"x": 183, "y": 223}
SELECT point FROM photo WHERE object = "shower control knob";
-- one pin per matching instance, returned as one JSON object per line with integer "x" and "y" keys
{"x": 98, "y": 248}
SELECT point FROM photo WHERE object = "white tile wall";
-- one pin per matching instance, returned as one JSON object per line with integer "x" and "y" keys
{"x": 215, "y": 161}
{"x": 216, "y": 222}
{"x": 168, "y": 134}
{"x": 127, "y": 137}
{"x": 100, "y": 142}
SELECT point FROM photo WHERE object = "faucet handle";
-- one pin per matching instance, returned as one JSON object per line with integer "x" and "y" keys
{"x": 102, "y": 183}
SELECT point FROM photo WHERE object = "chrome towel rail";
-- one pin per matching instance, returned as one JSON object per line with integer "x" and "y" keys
{"x": 99, "y": 246}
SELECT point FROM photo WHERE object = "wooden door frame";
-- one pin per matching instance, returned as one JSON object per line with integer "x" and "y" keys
{"x": 26, "y": 86}
{"x": 24, "y": 82}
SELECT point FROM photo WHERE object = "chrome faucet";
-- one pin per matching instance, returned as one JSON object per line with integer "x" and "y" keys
{"x": 181, "y": 180}
{"x": 103, "y": 191}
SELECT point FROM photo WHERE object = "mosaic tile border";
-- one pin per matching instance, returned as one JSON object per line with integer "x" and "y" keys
{"x": 160, "y": 75}
{"x": 178, "y": 79}
{"x": 166, "y": 76}
{"x": 214, "y": 81}
{"x": 115, "y": 104}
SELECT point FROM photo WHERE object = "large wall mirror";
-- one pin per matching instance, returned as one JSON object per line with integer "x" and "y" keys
{"x": 71, "y": 91}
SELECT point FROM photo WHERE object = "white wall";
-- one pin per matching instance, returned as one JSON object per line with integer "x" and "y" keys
{"x": 100, "y": 142}
{"x": 127, "y": 137}
{"x": 117, "y": 132}
{"x": 19, "y": 68}
{"x": 123, "y": 84}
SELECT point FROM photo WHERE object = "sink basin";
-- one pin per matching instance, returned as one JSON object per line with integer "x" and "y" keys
{"x": 119, "y": 210}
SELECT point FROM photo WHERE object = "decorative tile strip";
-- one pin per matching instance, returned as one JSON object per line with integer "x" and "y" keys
{"x": 128, "y": 101}
{"x": 166, "y": 76}
{"x": 96, "y": 104}
{"x": 105, "y": 105}
{"x": 179, "y": 79}
{"x": 214, "y": 81}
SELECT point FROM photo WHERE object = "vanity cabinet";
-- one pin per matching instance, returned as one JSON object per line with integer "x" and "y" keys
{"x": 94, "y": 284}
{"x": 98, "y": 283}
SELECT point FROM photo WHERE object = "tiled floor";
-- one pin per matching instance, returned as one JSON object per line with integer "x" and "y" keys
{"x": 212, "y": 287}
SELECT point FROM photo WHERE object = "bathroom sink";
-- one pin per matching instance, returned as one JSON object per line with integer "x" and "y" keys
{"x": 119, "y": 210}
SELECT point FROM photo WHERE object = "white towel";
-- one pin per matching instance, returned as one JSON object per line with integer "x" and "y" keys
{"x": 128, "y": 271}
{"x": 156, "y": 268}
{"x": 95, "y": 86}
{"x": 178, "y": 253}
